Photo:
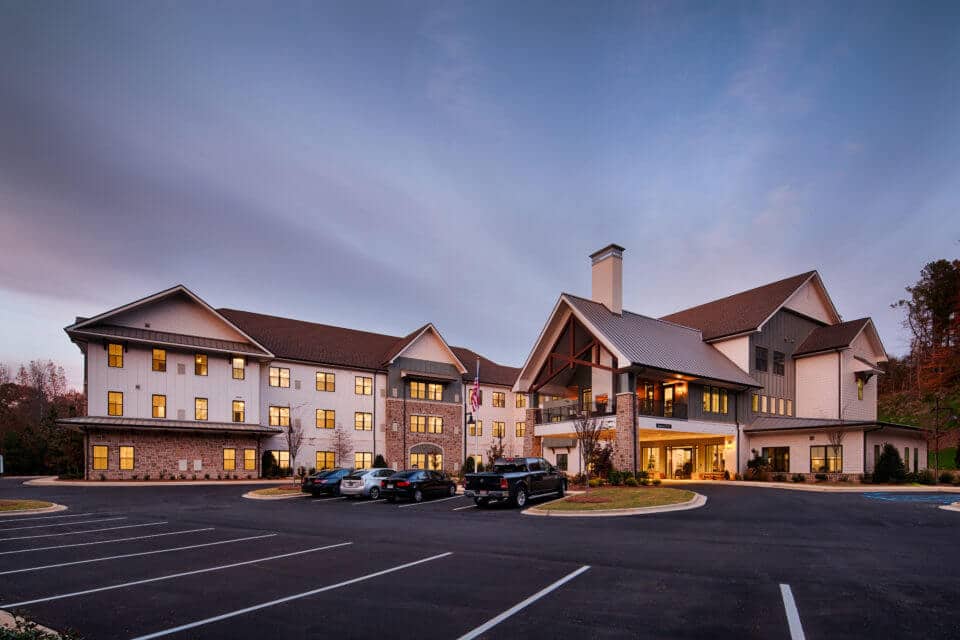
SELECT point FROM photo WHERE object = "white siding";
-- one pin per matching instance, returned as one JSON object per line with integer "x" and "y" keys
{"x": 428, "y": 347}
{"x": 817, "y": 392}
{"x": 810, "y": 302}
{"x": 800, "y": 444}
{"x": 900, "y": 441}
{"x": 177, "y": 314}
{"x": 737, "y": 349}
{"x": 488, "y": 414}
{"x": 853, "y": 408}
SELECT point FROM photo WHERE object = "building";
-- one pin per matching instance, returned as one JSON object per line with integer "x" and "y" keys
{"x": 773, "y": 371}
{"x": 177, "y": 388}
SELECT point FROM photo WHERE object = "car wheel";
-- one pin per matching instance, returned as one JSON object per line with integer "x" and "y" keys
{"x": 453, "y": 490}
{"x": 374, "y": 493}
{"x": 482, "y": 502}
{"x": 418, "y": 496}
{"x": 563, "y": 488}
{"x": 520, "y": 497}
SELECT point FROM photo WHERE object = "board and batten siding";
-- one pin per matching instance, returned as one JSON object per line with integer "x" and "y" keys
{"x": 695, "y": 409}
{"x": 784, "y": 332}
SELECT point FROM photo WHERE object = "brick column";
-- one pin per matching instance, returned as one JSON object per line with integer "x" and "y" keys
{"x": 626, "y": 420}
{"x": 530, "y": 443}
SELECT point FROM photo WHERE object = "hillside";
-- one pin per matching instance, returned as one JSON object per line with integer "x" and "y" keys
{"x": 905, "y": 407}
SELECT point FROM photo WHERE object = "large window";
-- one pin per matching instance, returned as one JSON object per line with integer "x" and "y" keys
{"x": 521, "y": 401}
{"x": 363, "y": 386}
{"x": 763, "y": 404}
{"x": 126, "y": 458}
{"x": 326, "y": 419}
{"x": 499, "y": 429}
{"x": 229, "y": 459}
{"x": 239, "y": 366}
{"x": 761, "y": 359}
{"x": 434, "y": 391}
{"x": 279, "y": 416}
{"x": 249, "y": 459}
{"x": 100, "y": 453}
{"x": 859, "y": 388}
{"x": 431, "y": 461}
{"x": 826, "y": 459}
{"x": 280, "y": 377}
{"x": 789, "y": 407}
{"x": 418, "y": 424}
{"x": 781, "y": 407}
{"x": 714, "y": 400}
{"x": 562, "y": 461}
{"x": 476, "y": 428}
{"x": 326, "y": 381}
{"x": 115, "y": 355}
{"x": 434, "y": 424}
{"x": 200, "y": 409}
{"x": 159, "y": 362}
{"x": 159, "y": 406}
{"x": 777, "y": 457}
{"x": 779, "y": 360}
{"x": 755, "y": 403}
{"x": 200, "y": 364}
{"x": 239, "y": 413}
{"x": 363, "y": 421}
{"x": 281, "y": 458}
{"x": 418, "y": 390}
{"x": 521, "y": 429}
{"x": 114, "y": 403}
{"x": 325, "y": 460}
{"x": 713, "y": 458}
{"x": 499, "y": 399}
{"x": 362, "y": 460}
{"x": 650, "y": 458}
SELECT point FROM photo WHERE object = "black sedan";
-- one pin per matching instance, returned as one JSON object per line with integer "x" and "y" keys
{"x": 325, "y": 482}
{"x": 416, "y": 485}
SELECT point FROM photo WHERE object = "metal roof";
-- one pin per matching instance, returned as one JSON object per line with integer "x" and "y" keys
{"x": 163, "y": 337}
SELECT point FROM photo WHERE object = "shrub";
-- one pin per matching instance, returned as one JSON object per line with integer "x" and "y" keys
{"x": 480, "y": 466}
{"x": 594, "y": 482}
{"x": 737, "y": 476}
{"x": 146, "y": 476}
{"x": 162, "y": 474}
{"x": 946, "y": 477}
{"x": 268, "y": 465}
{"x": 656, "y": 482}
{"x": 379, "y": 462}
{"x": 889, "y": 466}
{"x": 469, "y": 465}
{"x": 134, "y": 477}
{"x": 779, "y": 477}
{"x": 102, "y": 477}
{"x": 206, "y": 476}
{"x": 631, "y": 482}
{"x": 615, "y": 478}
{"x": 757, "y": 467}
{"x": 726, "y": 475}
{"x": 798, "y": 477}
{"x": 866, "y": 478}
{"x": 820, "y": 477}
{"x": 642, "y": 475}
{"x": 926, "y": 476}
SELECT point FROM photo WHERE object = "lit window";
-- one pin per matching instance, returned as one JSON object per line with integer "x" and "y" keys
{"x": 325, "y": 460}
{"x": 521, "y": 401}
{"x": 280, "y": 377}
{"x": 326, "y": 381}
{"x": 755, "y": 403}
{"x": 279, "y": 416}
{"x": 418, "y": 390}
{"x": 238, "y": 411}
{"x": 249, "y": 459}
{"x": 763, "y": 404}
{"x": 430, "y": 461}
{"x": 362, "y": 460}
{"x": 239, "y": 365}
{"x": 126, "y": 458}
{"x": 418, "y": 424}
{"x": 499, "y": 399}
{"x": 521, "y": 429}
{"x": 777, "y": 457}
{"x": 199, "y": 408}
{"x": 778, "y": 363}
{"x": 761, "y": 360}
{"x": 789, "y": 407}
{"x": 362, "y": 421}
{"x": 159, "y": 360}
{"x": 434, "y": 424}
{"x": 781, "y": 407}
{"x": 826, "y": 459}
{"x": 114, "y": 403}
{"x": 859, "y": 388}
{"x": 434, "y": 391}
{"x": 498, "y": 429}
{"x": 281, "y": 459}
{"x": 715, "y": 400}
{"x": 99, "y": 457}
{"x": 229, "y": 459}
{"x": 200, "y": 364}
{"x": 476, "y": 429}
{"x": 363, "y": 386}
{"x": 115, "y": 355}
{"x": 159, "y": 406}
{"x": 326, "y": 419}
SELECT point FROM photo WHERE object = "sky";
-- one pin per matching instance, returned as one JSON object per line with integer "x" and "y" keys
{"x": 379, "y": 165}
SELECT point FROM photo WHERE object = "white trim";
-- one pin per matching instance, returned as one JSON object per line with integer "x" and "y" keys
{"x": 823, "y": 290}
{"x": 429, "y": 327}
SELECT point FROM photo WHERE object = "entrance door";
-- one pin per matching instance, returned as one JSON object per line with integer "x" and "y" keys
{"x": 679, "y": 462}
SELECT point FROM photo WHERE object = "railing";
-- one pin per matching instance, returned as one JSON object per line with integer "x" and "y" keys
{"x": 654, "y": 408}
{"x": 569, "y": 411}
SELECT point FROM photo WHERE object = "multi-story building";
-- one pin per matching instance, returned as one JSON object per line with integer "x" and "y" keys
{"x": 178, "y": 388}
{"x": 773, "y": 371}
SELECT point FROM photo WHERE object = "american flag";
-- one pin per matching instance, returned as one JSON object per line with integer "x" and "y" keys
{"x": 475, "y": 392}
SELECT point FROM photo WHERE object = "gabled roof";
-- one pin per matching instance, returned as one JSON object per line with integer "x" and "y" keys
{"x": 405, "y": 342}
{"x": 741, "y": 312}
{"x": 835, "y": 337}
{"x": 490, "y": 371}
{"x": 164, "y": 338}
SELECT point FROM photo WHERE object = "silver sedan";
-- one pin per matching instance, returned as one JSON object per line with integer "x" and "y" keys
{"x": 364, "y": 482}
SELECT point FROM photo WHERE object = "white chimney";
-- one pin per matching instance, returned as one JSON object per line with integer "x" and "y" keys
{"x": 608, "y": 277}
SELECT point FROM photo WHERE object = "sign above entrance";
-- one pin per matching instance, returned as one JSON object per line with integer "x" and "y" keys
{"x": 663, "y": 425}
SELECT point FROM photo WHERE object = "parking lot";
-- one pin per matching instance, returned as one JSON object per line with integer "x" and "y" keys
{"x": 189, "y": 562}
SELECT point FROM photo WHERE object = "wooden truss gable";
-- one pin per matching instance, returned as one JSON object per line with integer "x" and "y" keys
{"x": 574, "y": 347}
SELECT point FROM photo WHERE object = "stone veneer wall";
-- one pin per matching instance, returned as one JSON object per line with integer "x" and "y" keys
{"x": 450, "y": 441}
{"x": 532, "y": 445}
{"x": 161, "y": 452}
{"x": 623, "y": 443}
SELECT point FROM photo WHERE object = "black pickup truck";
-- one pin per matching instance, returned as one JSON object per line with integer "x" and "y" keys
{"x": 516, "y": 480}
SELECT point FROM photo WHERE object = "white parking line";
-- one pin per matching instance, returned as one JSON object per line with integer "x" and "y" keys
{"x": 296, "y": 596}
{"x": 182, "y": 574}
{"x": 76, "y": 533}
{"x": 793, "y": 616}
{"x": 469, "y": 506}
{"x": 60, "y": 524}
{"x": 369, "y": 502}
{"x": 134, "y": 555}
{"x": 328, "y": 499}
{"x": 87, "y": 544}
{"x": 72, "y": 515}
{"x": 416, "y": 504}
{"x": 486, "y": 626}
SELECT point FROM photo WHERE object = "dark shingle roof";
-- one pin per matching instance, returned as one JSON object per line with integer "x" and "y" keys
{"x": 116, "y": 422}
{"x": 740, "y": 312}
{"x": 829, "y": 338}
{"x": 659, "y": 344}
{"x": 490, "y": 371}
{"x": 163, "y": 337}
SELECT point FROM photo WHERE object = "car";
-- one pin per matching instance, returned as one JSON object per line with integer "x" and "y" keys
{"x": 515, "y": 480}
{"x": 365, "y": 482}
{"x": 325, "y": 482}
{"x": 417, "y": 484}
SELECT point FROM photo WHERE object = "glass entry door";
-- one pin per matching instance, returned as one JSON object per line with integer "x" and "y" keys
{"x": 679, "y": 462}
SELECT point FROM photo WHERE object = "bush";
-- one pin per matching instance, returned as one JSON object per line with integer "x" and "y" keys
{"x": 594, "y": 482}
{"x": 757, "y": 467}
{"x": 206, "y": 476}
{"x": 615, "y": 478}
{"x": 656, "y": 482}
{"x": 631, "y": 482}
{"x": 737, "y": 476}
{"x": 469, "y": 465}
{"x": 726, "y": 475}
{"x": 268, "y": 466}
{"x": 779, "y": 477}
{"x": 102, "y": 477}
{"x": 946, "y": 477}
{"x": 379, "y": 462}
{"x": 926, "y": 476}
{"x": 866, "y": 478}
{"x": 642, "y": 475}
{"x": 889, "y": 466}
{"x": 844, "y": 478}
{"x": 146, "y": 476}
{"x": 480, "y": 466}
{"x": 134, "y": 477}
{"x": 820, "y": 477}
{"x": 798, "y": 477}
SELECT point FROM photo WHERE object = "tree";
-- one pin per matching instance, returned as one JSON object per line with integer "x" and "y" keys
{"x": 889, "y": 466}
{"x": 588, "y": 430}
{"x": 495, "y": 452}
{"x": 379, "y": 462}
{"x": 294, "y": 436}
{"x": 342, "y": 445}
{"x": 469, "y": 465}
{"x": 757, "y": 466}
{"x": 835, "y": 438}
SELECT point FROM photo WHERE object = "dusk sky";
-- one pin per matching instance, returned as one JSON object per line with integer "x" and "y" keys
{"x": 382, "y": 165}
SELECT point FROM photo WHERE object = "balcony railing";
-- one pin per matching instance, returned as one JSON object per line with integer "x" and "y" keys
{"x": 570, "y": 411}
{"x": 655, "y": 408}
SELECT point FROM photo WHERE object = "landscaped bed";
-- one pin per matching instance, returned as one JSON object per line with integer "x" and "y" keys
{"x": 274, "y": 492}
{"x": 23, "y": 505}
{"x": 619, "y": 498}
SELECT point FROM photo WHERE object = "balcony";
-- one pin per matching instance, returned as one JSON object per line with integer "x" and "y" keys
{"x": 660, "y": 409}
{"x": 560, "y": 411}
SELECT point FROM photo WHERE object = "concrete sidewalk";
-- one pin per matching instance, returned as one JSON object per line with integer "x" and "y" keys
{"x": 51, "y": 481}
{"x": 826, "y": 488}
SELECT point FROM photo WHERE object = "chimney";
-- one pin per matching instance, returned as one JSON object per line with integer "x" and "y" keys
{"x": 608, "y": 277}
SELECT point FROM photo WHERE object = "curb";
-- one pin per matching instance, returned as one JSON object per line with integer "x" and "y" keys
{"x": 51, "y": 509}
{"x": 250, "y": 495}
{"x": 51, "y": 481}
{"x": 788, "y": 486}
{"x": 698, "y": 500}
{"x": 951, "y": 507}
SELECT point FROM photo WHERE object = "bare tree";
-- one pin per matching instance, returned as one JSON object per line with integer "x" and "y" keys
{"x": 342, "y": 445}
{"x": 835, "y": 438}
{"x": 294, "y": 436}
{"x": 588, "y": 431}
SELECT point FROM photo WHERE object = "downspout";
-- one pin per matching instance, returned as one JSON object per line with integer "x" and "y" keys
{"x": 839, "y": 387}
{"x": 463, "y": 425}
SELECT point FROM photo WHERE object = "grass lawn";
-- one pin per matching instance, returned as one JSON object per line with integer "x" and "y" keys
{"x": 23, "y": 505}
{"x": 947, "y": 459}
{"x": 620, "y": 498}
{"x": 277, "y": 491}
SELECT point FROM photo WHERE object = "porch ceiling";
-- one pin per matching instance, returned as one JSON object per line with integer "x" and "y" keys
{"x": 665, "y": 434}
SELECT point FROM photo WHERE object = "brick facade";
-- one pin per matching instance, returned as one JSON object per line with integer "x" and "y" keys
{"x": 623, "y": 443}
{"x": 156, "y": 453}
{"x": 532, "y": 443}
{"x": 398, "y": 433}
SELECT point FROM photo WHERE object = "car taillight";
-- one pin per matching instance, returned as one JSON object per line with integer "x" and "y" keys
{"x": 383, "y": 484}
{"x": 403, "y": 483}
{"x": 503, "y": 483}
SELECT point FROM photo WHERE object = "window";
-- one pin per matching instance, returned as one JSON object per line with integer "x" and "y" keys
{"x": 325, "y": 460}
{"x": 521, "y": 401}
{"x": 99, "y": 457}
{"x": 859, "y": 388}
{"x": 363, "y": 421}
{"x": 326, "y": 419}
{"x": 249, "y": 459}
{"x": 426, "y": 460}
{"x": 238, "y": 411}
{"x": 498, "y": 429}
{"x": 761, "y": 363}
{"x": 362, "y": 460}
{"x": 199, "y": 408}
{"x": 279, "y": 416}
{"x": 562, "y": 461}
{"x": 114, "y": 403}
{"x": 521, "y": 429}
{"x": 280, "y": 377}
{"x": 778, "y": 363}
{"x": 789, "y": 407}
{"x": 434, "y": 424}
{"x": 418, "y": 390}
{"x": 826, "y": 459}
{"x": 200, "y": 364}
{"x": 586, "y": 398}
{"x": 714, "y": 400}
{"x": 115, "y": 356}
{"x": 363, "y": 386}
{"x": 159, "y": 406}
{"x": 777, "y": 457}
{"x": 755, "y": 403}
{"x": 713, "y": 458}
{"x": 499, "y": 399}
{"x": 326, "y": 381}
{"x": 906, "y": 459}
{"x": 159, "y": 360}
{"x": 781, "y": 407}
{"x": 418, "y": 424}
{"x": 281, "y": 458}
{"x": 229, "y": 459}
{"x": 239, "y": 365}
{"x": 476, "y": 428}
{"x": 763, "y": 404}
{"x": 650, "y": 456}
{"x": 126, "y": 458}
{"x": 434, "y": 391}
